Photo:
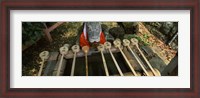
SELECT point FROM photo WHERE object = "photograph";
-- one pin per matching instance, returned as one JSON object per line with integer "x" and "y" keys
{"x": 100, "y": 48}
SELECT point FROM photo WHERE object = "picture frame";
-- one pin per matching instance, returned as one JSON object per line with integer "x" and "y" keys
{"x": 7, "y": 6}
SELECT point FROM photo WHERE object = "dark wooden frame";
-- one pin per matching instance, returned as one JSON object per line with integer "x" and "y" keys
{"x": 7, "y": 5}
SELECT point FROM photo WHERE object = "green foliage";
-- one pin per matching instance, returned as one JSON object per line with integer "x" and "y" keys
{"x": 140, "y": 39}
{"x": 31, "y": 32}
{"x": 129, "y": 36}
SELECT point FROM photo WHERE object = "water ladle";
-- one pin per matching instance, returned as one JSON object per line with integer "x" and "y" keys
{"x": 107, "y": 46}
{"x": 75, "y": 49}
{"x": 135, "y": 42}
{"x": 101, "y": 49}
{"x": 85, "y": 49}
{"x": 117, "y": 44}
{"x": 63, "y": 51}
{"x": 44, "y": 56}
{"x": 126, "y": 43}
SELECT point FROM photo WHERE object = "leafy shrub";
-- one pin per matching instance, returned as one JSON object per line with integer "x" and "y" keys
{"x": 31, "y": 32}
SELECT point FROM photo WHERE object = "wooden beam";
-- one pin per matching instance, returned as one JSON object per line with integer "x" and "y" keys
{"x": 48, "y": 30}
